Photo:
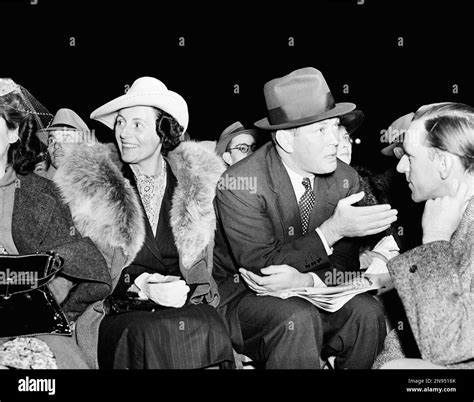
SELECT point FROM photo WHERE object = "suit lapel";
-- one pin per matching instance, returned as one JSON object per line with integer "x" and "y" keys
{"x": 285, "y": 198}
{"x": 324, "y": 187}
{"x": 166, "y": 202}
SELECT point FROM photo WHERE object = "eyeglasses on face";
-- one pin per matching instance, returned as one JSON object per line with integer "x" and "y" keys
{"x": 244, "y": 148}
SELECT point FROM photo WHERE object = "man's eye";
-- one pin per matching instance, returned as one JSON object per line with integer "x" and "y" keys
{"x": 138, "y": 125}
{"x": 119, "y": 122}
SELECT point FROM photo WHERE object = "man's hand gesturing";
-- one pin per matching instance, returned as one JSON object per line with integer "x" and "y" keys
{"x": 352, "y": 221}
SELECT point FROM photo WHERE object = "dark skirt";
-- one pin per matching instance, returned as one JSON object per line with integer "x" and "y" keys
{"x": 190, "y": 337}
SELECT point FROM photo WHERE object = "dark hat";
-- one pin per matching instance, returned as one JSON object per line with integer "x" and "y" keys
{"x": 394, "y": 134}
{"x": 230, "y": 132}
{"x": 352, "y": 120}
{"x": 299, "y": 98}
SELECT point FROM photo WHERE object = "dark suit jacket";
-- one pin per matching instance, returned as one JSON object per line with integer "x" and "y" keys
{"x": 262, "y": 226}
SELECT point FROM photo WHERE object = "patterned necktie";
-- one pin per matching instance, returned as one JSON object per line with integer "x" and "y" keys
{"x": 306, "y": 204}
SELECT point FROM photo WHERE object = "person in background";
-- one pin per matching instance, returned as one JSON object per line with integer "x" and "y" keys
{"x": 66, "y": 131}
{"x": 375, "y": 192}
{"x": 236, "y": 143}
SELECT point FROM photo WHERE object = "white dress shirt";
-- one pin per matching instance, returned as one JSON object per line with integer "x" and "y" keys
{"x": 296, "y": 181}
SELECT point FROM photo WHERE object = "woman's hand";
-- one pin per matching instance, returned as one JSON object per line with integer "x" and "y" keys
{"x": 168, "y": 291}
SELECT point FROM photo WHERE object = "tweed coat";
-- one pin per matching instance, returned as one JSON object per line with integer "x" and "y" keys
{"x": 435, "y": 282}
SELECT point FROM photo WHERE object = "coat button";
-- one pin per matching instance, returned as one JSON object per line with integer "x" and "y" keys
{"x": 318, "y": 260}
{"x": 413, "y": 268}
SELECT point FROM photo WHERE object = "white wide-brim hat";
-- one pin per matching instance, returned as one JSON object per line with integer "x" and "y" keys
{"x": 145, "y": 91}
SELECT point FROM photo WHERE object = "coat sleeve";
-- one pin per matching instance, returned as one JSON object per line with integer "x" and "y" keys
{"x": 440, "y": 310}
{"x": 251, "y": 236}
{"x": 84, "y": 265}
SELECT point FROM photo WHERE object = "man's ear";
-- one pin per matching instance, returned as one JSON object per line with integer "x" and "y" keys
{"x": 445, "y": 164}
{"x": 227, "y": 158}
{"x": 13, "y": 136}
{"x": 284, "y": 139}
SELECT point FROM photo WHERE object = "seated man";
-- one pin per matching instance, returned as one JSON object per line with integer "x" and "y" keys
{"x": 280, "y": 220}
{"x": 435, "y": 281}
{"x": 176, "y": 183}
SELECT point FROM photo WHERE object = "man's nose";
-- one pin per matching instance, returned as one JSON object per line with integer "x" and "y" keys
{"x": 333, "y": 136}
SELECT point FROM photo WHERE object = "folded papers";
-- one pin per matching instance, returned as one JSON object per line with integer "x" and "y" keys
{"x": 330, "y": 298}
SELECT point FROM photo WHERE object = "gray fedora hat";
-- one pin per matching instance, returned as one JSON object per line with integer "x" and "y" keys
{"x": 299, "y": 98}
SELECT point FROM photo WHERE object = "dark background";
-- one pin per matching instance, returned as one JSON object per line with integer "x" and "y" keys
{"x": 234, "y": 43}
{"x": 229, "y": 43}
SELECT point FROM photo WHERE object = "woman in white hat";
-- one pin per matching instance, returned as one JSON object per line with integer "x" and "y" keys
{"x": 171, "y": 275}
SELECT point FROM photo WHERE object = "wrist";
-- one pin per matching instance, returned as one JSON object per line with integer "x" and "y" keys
{"x": 329, "y": 232}
{"x": 308, "y": 280}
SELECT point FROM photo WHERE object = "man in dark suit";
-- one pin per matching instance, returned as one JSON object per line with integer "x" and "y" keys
{"x": 269, "y": 216}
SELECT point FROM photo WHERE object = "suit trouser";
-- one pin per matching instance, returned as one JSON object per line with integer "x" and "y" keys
{"x": 293, "y": 334}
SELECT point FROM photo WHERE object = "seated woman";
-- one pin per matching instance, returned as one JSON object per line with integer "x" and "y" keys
{"x": 175, "y": 324}
{"x": 33, "y": 219}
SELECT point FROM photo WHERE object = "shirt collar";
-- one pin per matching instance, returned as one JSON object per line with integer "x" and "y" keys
{"x": 297, "y": 178}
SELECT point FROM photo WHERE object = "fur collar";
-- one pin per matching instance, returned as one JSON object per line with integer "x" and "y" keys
{"x": 193, "y": 221}
{"x": 103, "y": 204}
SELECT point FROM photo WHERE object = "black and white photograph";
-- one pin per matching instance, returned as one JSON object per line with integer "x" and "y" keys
{"x": 236, "y": 199}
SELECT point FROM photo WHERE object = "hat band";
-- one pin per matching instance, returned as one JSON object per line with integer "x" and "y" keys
{"x": 306, "y": 107}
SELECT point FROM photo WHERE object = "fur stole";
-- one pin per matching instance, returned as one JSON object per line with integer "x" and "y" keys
{"x": 103, "y": 204}
{"x": 193, "y": 221}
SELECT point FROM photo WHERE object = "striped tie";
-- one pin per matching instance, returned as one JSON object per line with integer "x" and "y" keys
{"x": 306, "y": 204}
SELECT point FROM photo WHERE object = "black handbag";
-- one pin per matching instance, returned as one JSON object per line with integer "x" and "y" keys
{"x": 27, "y": 306}
{"x": 115, "y": 305}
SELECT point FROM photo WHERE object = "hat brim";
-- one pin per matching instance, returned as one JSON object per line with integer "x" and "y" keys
{"x": 388, "y": 150}
{"x": 395, "y": 141}
{"x": 44, "y": 132}
{"x": 168, "y": 102}
{"x": 338, "y": 110}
